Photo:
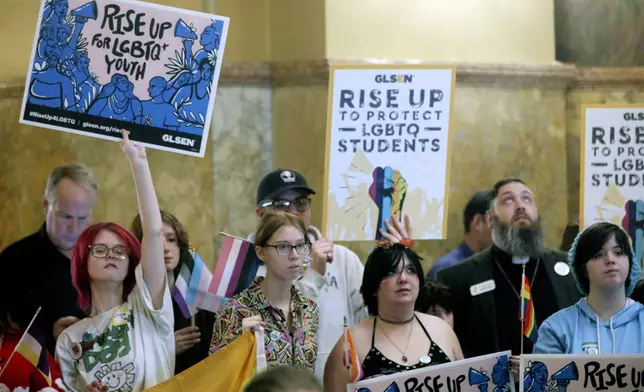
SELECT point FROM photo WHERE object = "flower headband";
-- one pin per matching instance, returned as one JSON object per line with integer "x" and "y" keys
{"x": 406, "y": 242}
{"x": 634, "y": 276}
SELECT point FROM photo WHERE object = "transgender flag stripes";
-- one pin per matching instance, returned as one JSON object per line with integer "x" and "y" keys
{"x": 191, "y": 287}
{"x": 236, "y": 267}
{"x": 197, "y": 288}
{"x": 181, "y": 287}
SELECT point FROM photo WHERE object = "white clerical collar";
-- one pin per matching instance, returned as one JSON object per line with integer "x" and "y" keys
{"x": 520, "y": 260}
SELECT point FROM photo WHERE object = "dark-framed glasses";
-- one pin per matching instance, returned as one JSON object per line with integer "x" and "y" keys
{"x": 302, "y": 249}
{"x": 101, "y": 251}
{"x": 301, "y": 204}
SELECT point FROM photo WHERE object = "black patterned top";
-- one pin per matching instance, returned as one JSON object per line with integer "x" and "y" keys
{"x": 376, "y": 364}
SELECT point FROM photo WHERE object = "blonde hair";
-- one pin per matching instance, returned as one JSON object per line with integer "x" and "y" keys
{"x": 76, "y": 172}
{"x": 272, "y": 221}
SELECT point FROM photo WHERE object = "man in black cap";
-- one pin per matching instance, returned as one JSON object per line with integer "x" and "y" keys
{"x": 477, "y": 234}
{"x": 335, "y": 276}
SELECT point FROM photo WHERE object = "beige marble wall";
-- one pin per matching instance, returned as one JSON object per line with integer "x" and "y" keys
{"x": 509, "y": 121}
{"x": 27, "y": 154}
{"x": 241, "y": 156}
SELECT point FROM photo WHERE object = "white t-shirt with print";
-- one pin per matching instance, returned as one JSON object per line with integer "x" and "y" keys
{"x": 129, "y": 348}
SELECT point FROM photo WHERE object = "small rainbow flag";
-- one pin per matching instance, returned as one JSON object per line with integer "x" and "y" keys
{"x": 32, "y": 348}
{"x": 236, "y": 267}
{"x": 351, "y": 356}
{"x": 527, "y": 311}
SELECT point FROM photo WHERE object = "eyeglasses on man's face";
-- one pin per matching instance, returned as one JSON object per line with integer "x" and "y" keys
{"x": 101, "y": 251}
{"x": 301, "y": 204}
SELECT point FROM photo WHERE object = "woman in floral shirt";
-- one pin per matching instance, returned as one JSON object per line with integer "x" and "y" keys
{"x": 289, "y": 319}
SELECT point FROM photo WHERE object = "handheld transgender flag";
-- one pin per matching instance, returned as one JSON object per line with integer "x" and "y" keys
{"x": 191, "y": 288}
{"x": 184, "y": 292}
{"x": 236, "y": 267}
{"x": 527, "y": 311}
{"x": 350, "y": 358}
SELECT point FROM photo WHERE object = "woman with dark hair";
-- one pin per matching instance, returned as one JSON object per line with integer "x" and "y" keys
{"x": 290, "y": 319}
{"x": 191, "y": 333}
{"x": 126, "y": 342}
{"x": 606, "y": 321}
{"x": 391, "y": 286}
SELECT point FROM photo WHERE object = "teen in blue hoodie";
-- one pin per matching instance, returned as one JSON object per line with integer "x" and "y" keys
{"x": 605, "y": 321}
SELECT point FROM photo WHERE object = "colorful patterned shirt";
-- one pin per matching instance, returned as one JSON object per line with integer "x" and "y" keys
{"x": 298, "y": 349}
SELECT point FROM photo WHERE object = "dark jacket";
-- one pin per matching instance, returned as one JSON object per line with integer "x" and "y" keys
{"x": 33, "y": 270}
{"x": 475, "y": 316}
{"x": 205, "y": 321}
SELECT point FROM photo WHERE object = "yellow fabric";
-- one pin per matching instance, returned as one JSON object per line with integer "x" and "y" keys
{"x": 227, "y": 370}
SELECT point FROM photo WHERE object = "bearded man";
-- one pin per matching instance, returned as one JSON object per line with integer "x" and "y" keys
{"x": 486, "y": 287}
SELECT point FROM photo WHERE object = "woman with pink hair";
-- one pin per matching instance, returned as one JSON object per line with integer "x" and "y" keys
{"x": 127, "y": 342}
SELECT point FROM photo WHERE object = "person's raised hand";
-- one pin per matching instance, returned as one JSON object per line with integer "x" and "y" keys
{"x": 321, "y": 254}
{"x": 133, "y": 152}
{"x": 396, "y": 230}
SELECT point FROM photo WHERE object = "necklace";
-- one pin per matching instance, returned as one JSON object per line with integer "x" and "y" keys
{"x": 534, "y": 276}
{"x": 119, "y": 107}
{"x": 402, "y": 352}
{"x": 396, "y": 322}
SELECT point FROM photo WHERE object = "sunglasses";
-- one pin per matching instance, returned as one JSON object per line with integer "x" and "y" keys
{"x": 101, "y": 251}
{"x": 301, "y": 204}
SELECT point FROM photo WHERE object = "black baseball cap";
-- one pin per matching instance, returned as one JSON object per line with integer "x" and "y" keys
{"x": 279, "y": 181}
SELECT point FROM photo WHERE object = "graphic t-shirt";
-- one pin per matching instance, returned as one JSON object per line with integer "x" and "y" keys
{"x": 129, "y": 348}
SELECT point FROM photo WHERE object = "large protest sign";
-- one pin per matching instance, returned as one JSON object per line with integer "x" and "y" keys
{"x": 480, "y": 374}
{"x": 576, "y": 373}
{"x": 612, "y": 169}
{"x": 387, "y": 149}
{"x": 100, "y": 66}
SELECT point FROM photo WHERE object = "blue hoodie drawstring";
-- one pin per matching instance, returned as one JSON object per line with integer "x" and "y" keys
{"x": 612, "y": 334}
{"x": 612, "y": 331}
{"x": 599, "y": 338}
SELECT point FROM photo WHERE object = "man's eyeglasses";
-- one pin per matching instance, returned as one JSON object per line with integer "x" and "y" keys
{"x": 302, "y": 249}
{"x": 301, "y": 204}
{"x": 101, "y": 251}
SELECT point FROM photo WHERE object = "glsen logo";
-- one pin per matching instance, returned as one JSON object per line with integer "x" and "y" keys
{"x": 395, "y": 78}
{"x": 184, "y": 141}
{"x": 630, "y": 116}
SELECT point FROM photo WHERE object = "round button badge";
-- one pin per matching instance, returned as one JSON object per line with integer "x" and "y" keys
{"x": 562, "y": 269}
